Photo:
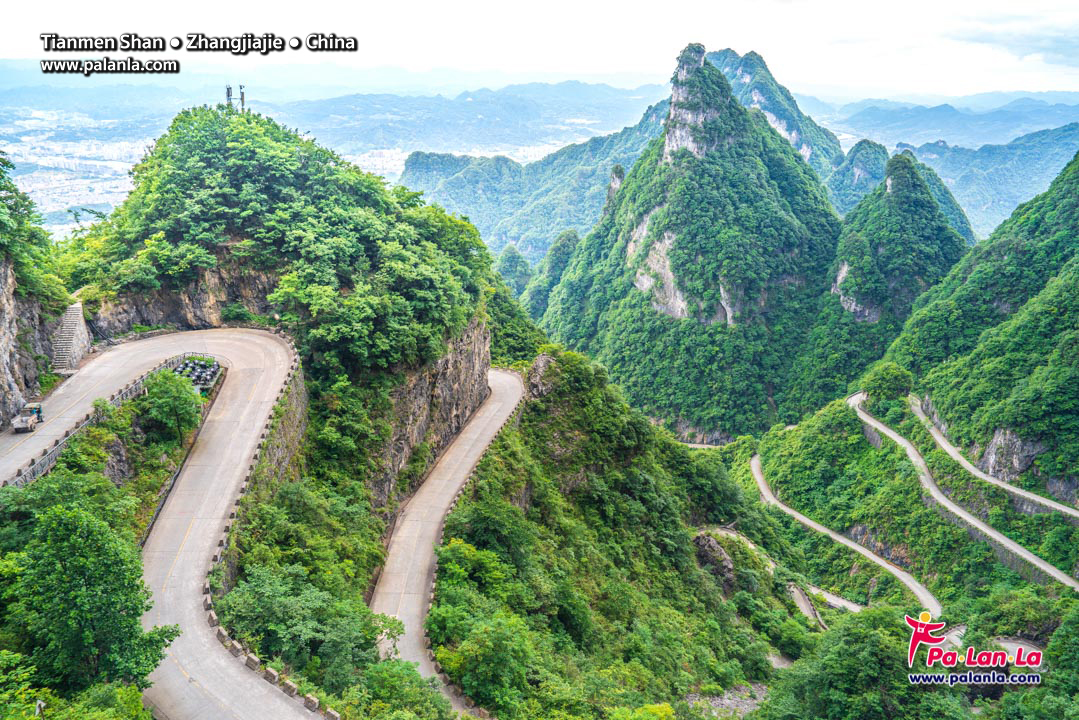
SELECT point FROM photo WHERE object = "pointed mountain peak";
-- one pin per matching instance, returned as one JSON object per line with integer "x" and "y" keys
{"x": 699, "y": 95}
{"x": 901, "y": 175}
{"x": 689, "y": 60}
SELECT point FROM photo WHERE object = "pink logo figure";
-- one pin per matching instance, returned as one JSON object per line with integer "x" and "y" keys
{"x": 922, "y": 632}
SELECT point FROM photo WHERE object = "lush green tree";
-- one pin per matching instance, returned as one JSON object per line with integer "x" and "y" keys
{"x": 887, "y": 381}
{"x": 171, "y": 403}
{"x": 514, "y": 269}
{"x": 1063, "y": 654}
{"x": 25, "y": 242}
{"x": 80, "y": 595}
{"x": 860, "y": 673}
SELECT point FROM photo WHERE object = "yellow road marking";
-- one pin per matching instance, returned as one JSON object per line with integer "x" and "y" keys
{"x": 178, "y": 551}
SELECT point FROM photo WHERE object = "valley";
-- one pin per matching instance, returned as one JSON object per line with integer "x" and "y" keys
{"x": 704, "y": 414}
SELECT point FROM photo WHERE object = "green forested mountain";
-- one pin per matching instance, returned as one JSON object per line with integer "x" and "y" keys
{"x": 549, "y": 272}
{"x": 528, "y": 205}
{"x": 895, "y": 244}
{"x": 861, "y": 170}
{"x": 991, "y": 181}
{"x": 954, "y": 214}
{"x": 698, "y": 285}
{"x": 753, "y": 85}
{"x": 514, "y": 269}
{"x": 371, "y": 283}
{"x": 994, "y": 344}
{"x": 568, "y": 585}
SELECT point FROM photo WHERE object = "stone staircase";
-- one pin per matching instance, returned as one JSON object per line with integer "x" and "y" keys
{"x": 70, "y": 341}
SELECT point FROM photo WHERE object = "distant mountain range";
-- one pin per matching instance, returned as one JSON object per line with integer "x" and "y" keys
{"x": 991, "y": 181}
{"x": 918, "y": 124}
{"x": 516, "y": 117}
{"x": 527, "y": 205}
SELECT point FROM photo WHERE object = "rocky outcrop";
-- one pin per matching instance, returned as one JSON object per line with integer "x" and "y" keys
{"x": 1007, "y": 456}
{"x": 687, "y": 114}
{"x": 201, "y": 304}
{"x": 537, "y": 382}
{"x": 867, "y": 537}
{"x": 25, "y": 345}
{"x": 431, "y": 405}
{"x": 713, "y": 558}
{"x": 861, "y": 312}
{"x": 687, "y": 432}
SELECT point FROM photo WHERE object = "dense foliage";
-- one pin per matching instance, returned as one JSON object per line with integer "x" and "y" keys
{"x": 527, "y": 204}
{"x": 746, "y": 234}
{"x": 514, "y": 269}
{"x": 894, "y": 245}
{"x": 860, "y": 672}
{"x": 371, "y": 283}
{"x": 27, "y": 245}
{"x": 548, "y": 273}
{"x": 994, "y": 344}
{"x": 568, "y": 586}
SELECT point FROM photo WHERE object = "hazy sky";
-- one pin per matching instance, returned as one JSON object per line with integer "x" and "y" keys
{"x": 852, "y": 48}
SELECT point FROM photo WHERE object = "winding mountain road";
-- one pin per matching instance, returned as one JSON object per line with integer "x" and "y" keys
{"x": 198, "y": 678}
{"x": 926, "y": 598}
{"x": 408, "y": 574}
{"x": 926, "y": 479}
{"x": 944, "y": 444}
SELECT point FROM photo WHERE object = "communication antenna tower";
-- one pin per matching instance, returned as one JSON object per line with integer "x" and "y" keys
{"x": 228, "y": 95}
{"x": 242, "y": 99}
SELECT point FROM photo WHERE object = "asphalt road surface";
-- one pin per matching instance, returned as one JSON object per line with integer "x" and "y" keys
{"x": 198, "y": 678}
{"x": 855, "y": 401}
{"x": 926, "y": 598}
{"x": 408, "y": 573}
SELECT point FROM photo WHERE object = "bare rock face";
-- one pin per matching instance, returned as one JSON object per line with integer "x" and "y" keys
{"x": 867, "y": 537}
{"x": 686, "y": 116}
{"x": 1008, "y": 456}
{"x": 25, "y": 344}
{"x": 117, "y": 464}
{"x": 686, "y": 432}
{"x": 433, "y": 404}
{"x": 712, "y": 557}
{"x": 197, "y": 306}
{"x": 850, "y": 304}
{"x": 537, "y": 382}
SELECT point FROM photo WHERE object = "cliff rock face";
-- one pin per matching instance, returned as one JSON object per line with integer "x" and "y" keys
{"x": 198, "y": 305}
{"x": 430, "y": 406}
{"x": 712, "y": 557}
{"x": 25, "y": 336}
{"x": 433, "y": 404}
{"x": 1007, "y": 455}
{"x": 688, "y": 114}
